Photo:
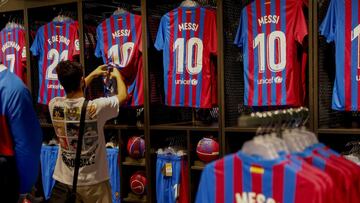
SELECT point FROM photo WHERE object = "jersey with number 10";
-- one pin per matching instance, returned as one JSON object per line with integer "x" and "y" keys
{"x": 268, "y": 34}
{"x": 342, "y": 25}
{"x": 54, "y": 42}
{"x": 187, "y": 36}
{"x": 119, "y": 40}
{"x": 13, "y": 51}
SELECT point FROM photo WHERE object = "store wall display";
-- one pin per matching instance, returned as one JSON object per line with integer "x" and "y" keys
{"x": 187, "y": 36}
{"x": 269, "y": 34}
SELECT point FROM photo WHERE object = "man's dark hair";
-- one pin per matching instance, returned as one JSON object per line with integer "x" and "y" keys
{"x": 69, "y": 74}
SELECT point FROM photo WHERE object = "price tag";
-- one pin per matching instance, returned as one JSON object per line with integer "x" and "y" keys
{"x": 168, "y": 169}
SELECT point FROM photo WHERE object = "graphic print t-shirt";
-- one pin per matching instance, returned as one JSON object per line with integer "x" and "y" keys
{"x": 268, "y": 33}
{"x": 13, "y": 51}
{"x": 54, "y": 42}
{"x": 65, "y": 115}
{"x": 342, "y": 26}
{"x": 187, "y": 36}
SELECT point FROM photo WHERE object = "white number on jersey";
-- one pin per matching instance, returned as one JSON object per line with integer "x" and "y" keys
{"x": 274, "y": 39}
{"x": 194, "y": 50}
{"x": 356, "y": 34}
{"x": 121, "y": 57}
{"x": 176, "y": 191}
{"x": 54, "y": 55}
{"x": 11, "y": 58}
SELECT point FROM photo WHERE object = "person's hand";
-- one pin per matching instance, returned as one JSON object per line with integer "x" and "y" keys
{"x": 100, "y": 71}
{"x": 115, "y": 73}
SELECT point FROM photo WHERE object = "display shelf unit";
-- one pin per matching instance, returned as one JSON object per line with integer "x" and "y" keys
{"x": 159, "y": 122}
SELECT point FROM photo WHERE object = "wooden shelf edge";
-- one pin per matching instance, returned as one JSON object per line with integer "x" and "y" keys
{"x": 184, "y": 126}
{"x": 123, "y": 127}
{"x": 46, "y": 125}
{"x": 341, "y": 131}
{"x": 197, "y": 168}
{"x": 240, "y": 129}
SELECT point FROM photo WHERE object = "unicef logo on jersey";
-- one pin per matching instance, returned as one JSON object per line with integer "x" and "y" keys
{"x": 278, "y": 80}
{"x": 192, "y": 82}
{"x": 77, "y": 45}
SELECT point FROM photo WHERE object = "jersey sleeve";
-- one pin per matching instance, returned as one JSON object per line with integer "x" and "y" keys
{"x": 36, "y": 46}
{"x": 107, "y": 107}
{"x": 23, "y": 46}
{"x": 328, "y": 26}
{"x": 239, "y": 34}
{"x": 99, "y": 43}
{"x": 75, "y": 47}
{"x": 213, "y": 33}
{"x": 301, "y": 28}
{"x": 161, "y": 34}
{"x": 23, "y": 120}
{"x": 206, "y": 190}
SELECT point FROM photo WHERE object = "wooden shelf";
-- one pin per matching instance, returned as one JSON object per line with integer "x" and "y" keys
{"x": 185, "y": 126}
{"x": 240, "y": 129}
{"x": 107, "y": 126}
{"x": 197, "y": 168}
{"x": 134, "y": 198}
{"x": 340, "y": 131}
{"x": 46, "y": 125}
{"x": 134, "y": 162}
{"x": 123, "y": 127}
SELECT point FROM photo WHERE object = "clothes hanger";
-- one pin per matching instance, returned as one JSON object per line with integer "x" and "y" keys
{"x": 259, "y": 148}
{"x": 120, "y": 11}
{"x": 189, "y": 3}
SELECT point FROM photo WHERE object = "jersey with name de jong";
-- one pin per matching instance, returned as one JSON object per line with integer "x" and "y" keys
{"x": 119, "y": 40}
{"x": 241, "y": 178}
{"x": 13, "y": 51}
{"x": 342, "y": 26}
{"x": 268, "y": 33}
{"x": 188, "y": 37}
{"x": 54, "y": 42}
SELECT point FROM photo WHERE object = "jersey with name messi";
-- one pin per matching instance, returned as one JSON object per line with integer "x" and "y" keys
{"x": 342, "y": 26}
{"x": 187, "y": 36}
{"x": 119, "y": 41}
{"x": 241, "y": 178}
{"x": 268, "y": 33}
{"x": 54, "y": 42}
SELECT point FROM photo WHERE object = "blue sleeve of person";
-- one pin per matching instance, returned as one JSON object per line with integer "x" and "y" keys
{"x": 26, "y": 132}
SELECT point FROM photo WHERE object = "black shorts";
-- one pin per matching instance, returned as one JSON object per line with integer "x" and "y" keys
{"x": 9, "y": 182}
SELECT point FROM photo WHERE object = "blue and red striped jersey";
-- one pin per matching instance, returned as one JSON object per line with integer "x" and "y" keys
{"x": 119, "y": 41}
{"x": 188, "y": 37}
{"x": 342, "y": 26}
{"x": 242, "y": 178}
{"x": 13, "y": 51}
{"x": 268, "y": 33}
{"x": 54, "y": 42}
